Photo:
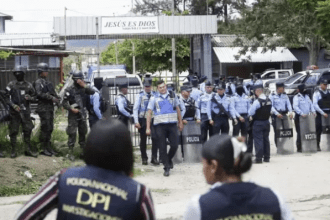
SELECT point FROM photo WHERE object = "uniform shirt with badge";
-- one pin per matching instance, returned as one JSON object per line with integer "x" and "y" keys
{"x": 195, "y": 94}
{"x": 164, "y": 108}
{"x": 225, "y": 101}
{"x": 280, "y": 103}
{"x": 302, "y": 104}
{"x": 141, "y": 105}
{"x": 316, "y": 98}
{"x": 241, "y": 104}
{"x": 122, "y": 103}
{"x": 185, "y": 103}
{"x": 203, "y": 100}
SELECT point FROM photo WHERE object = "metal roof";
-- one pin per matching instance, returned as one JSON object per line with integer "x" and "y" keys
{"x": 223, "y": 40}
{"x": 168, "y": 26}
{"x": 43, "y": 39}
{"x": 7, "y": 17}
{"x": 43, "y": 52}
{"x": 227, "y": 55}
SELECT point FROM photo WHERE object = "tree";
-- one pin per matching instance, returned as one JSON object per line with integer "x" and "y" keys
{"x": 151, "y": 55}
{"x": 6, "y": 54}
{"x": 157, "y": 7}
{"x": 290, "y": 23}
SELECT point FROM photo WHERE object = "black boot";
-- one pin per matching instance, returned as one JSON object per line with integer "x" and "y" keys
{"x": 51, "y": 149}
{"x": 29, "y": 152}
{"x": 71, "y": 156}
{"x": 154, "y": 161}
{"x": 144, "y": 161}
{"x": 13, "y": 151}
{"x": 1, "y": 154}
{"x": 46, "y": 151}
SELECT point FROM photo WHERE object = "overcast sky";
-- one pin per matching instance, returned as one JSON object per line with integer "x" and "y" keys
{"x": 36, "y": 16}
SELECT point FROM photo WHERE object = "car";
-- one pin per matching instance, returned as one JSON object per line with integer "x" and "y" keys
{"x": 311, "y": 81}
{"x": 273, "y": 74}
{"x": 296, "y": 78}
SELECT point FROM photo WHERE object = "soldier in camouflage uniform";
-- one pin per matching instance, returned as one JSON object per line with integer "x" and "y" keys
{"x": 4, "y": 115}
{"x": 46, "y": 98}
{"x": 19, "y": 95}
{"x": 74, "y": 101}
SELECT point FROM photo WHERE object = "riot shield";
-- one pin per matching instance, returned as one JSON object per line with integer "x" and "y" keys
{"x": 192, "y": 143}
{"x": 308, "y": 134}
{"x": 325, "y": 137}
{"x": 284, "y": 135}
{"x": 178, "y": 157}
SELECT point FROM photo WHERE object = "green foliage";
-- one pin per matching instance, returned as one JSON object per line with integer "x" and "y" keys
{"x": 323, "y": 17}
{"x": 25, "y": 187}
{"x": 150, "y": 55}
{"x": 6, "y": 54}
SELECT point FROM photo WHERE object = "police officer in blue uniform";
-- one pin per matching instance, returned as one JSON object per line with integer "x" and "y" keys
{"x": 303, "y": 106}
{"x": 140, "y": 113}
{"x": 255, "y": 81}
{"x": 224, "y": 161}
{"x": 195, "y": 93}
{"x": 189, "y": 107}
{"x": 167, "y": 116}
{"x": 230, "y": 86}
{"x": 123, "y": 105}
{"x": 241, "y": 104}
{"x": 103, "y": 189}
{"x": 321, "y": 102}
{"x": 280, "y": 106}
{"x": 202, "y": 105}
{"x": 260, "y": 113}
{"x": 93, "y": 106}
{"x": 219, "y": 110}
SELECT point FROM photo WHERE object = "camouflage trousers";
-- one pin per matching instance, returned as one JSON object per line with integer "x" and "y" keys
{"x": 75, "y": 122}
{"x": 16, "y": 120}
{"x": 46, "y": 125}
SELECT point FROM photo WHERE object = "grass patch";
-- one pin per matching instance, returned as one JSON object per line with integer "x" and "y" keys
{"x": 25, "y": 187}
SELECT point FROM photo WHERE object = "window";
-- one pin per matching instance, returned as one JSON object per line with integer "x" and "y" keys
{"x": 293, "y": 78}
{"x": 283, "y": 74}
{"x": 312, "y": 80}
{"x": 270, "y": 75}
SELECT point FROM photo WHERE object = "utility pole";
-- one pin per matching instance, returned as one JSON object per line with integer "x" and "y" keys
{"x": 133, "y": 46}
{"x": 173, "y": 55}
{"x": 116, "y": 52}
{"x": 65, "y": 26}
{"x": 98, "y": 46}
{"x": 207, "y": 7}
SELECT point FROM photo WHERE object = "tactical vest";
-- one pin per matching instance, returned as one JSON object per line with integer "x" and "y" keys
{"x": 46, "y": 87}
{"x": 128, "y": 107}
{"x": 324, "y": 103}
{"x": 263, "y": 112}
{"x": 17, "y": 94}
{"x": 89, "y": 192}
{"x": 165, "y": 109}
{"x": 190, "y": 108}
{"x": 240, "y": 201}
{"x": 143, "y": 107}
{"x": 90, "y": 106}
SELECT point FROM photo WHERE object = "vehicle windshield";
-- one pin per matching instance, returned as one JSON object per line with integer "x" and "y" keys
{"x": 112, "y": 73}
{"x": 292, "y": 78}
{"x": 312, "y": 80}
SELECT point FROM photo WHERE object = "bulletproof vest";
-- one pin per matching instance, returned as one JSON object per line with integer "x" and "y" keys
{"x": 230, "y": 91}
{"x": 78, "y": 96}
{"x": 324, "y": 103}
{"x": 17, "y": 94}
{"x": 190, "y": 108}
{"x": 46, "y": 87}
{"x": 128, "y": 107}
{"x": 89, "y": 106}
{"x": 91, "y": 191}
{"x": 263, "y": 112}
{"x": 240, "y": 201}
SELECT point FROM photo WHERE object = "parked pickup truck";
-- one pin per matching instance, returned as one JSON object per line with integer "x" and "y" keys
{"x": 274, "y": 75}
{"x": 296, "y": 78}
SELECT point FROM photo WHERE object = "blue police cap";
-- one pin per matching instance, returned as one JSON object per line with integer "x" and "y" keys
{"x": 324, "y": 81}
{"x": 221, "y": 86}
{"x": 208, "y": 83}
{"x": 147, "y": 82}
{"x": 122, "y": 86}
{"x": 194, "y": 82}
{"x": 279, "y": 84}
{"x": 185, "y": 88}
{"x": 260, "y": 86}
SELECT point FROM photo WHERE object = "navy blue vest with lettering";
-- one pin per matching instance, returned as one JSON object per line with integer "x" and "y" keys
{"x": 245, "y": 199}
{"x": 89, "y": 191}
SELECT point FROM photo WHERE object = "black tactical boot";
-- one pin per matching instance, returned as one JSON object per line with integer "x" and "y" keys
{"x": 144, "y": 161}
{"x": 13, "y": 151}
{"x": 51, "y": 149}
{"x": 154, "y": 161}
{"x": 29, "y": 152}
{"x": 71, "y": 156}
{"x": 46, "y": 151}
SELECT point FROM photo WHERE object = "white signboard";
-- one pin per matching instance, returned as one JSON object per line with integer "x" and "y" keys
{"x": 129, "y": 25}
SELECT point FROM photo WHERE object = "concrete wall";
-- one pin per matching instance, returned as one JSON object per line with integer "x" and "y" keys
{"x": 201, "y": 50}
{"x": 2, "y": 25}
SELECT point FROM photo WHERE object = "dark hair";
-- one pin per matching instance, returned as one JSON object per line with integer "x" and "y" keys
{"x": 220, "y": 148}
{"x": 109, "y": 146}
{"x": 159, "y": 82}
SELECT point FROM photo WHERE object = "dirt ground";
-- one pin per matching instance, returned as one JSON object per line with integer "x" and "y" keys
{"x": 302, "y": 179}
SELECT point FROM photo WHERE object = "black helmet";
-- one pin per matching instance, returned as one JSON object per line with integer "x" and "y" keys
{"x": 42, "y": 67}
{"x": 18, "y": 69}
{"x": 78, "y": 75}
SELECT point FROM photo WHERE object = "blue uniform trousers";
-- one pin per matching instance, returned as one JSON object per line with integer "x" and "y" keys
{"x": 220, "y": 124}
{"x": 297, "y": 125}
{"x": 92, "y": 119}
{"x": 169, "y": 131}
{"x": 250, "y": 139}
{"x": 318, "y": 124}
{"x": 143, "y": 139}
{"x": 261, "y": 139}
{"x": 241, "y": 126}
{"x": 205, "y": 126}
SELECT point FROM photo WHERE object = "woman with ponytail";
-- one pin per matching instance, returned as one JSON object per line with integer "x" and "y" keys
{"x": 224, "y": 161}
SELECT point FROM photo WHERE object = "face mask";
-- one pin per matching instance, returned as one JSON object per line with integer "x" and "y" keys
{"x": 20, "y": 76}
{"x": 239, "y": 91}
